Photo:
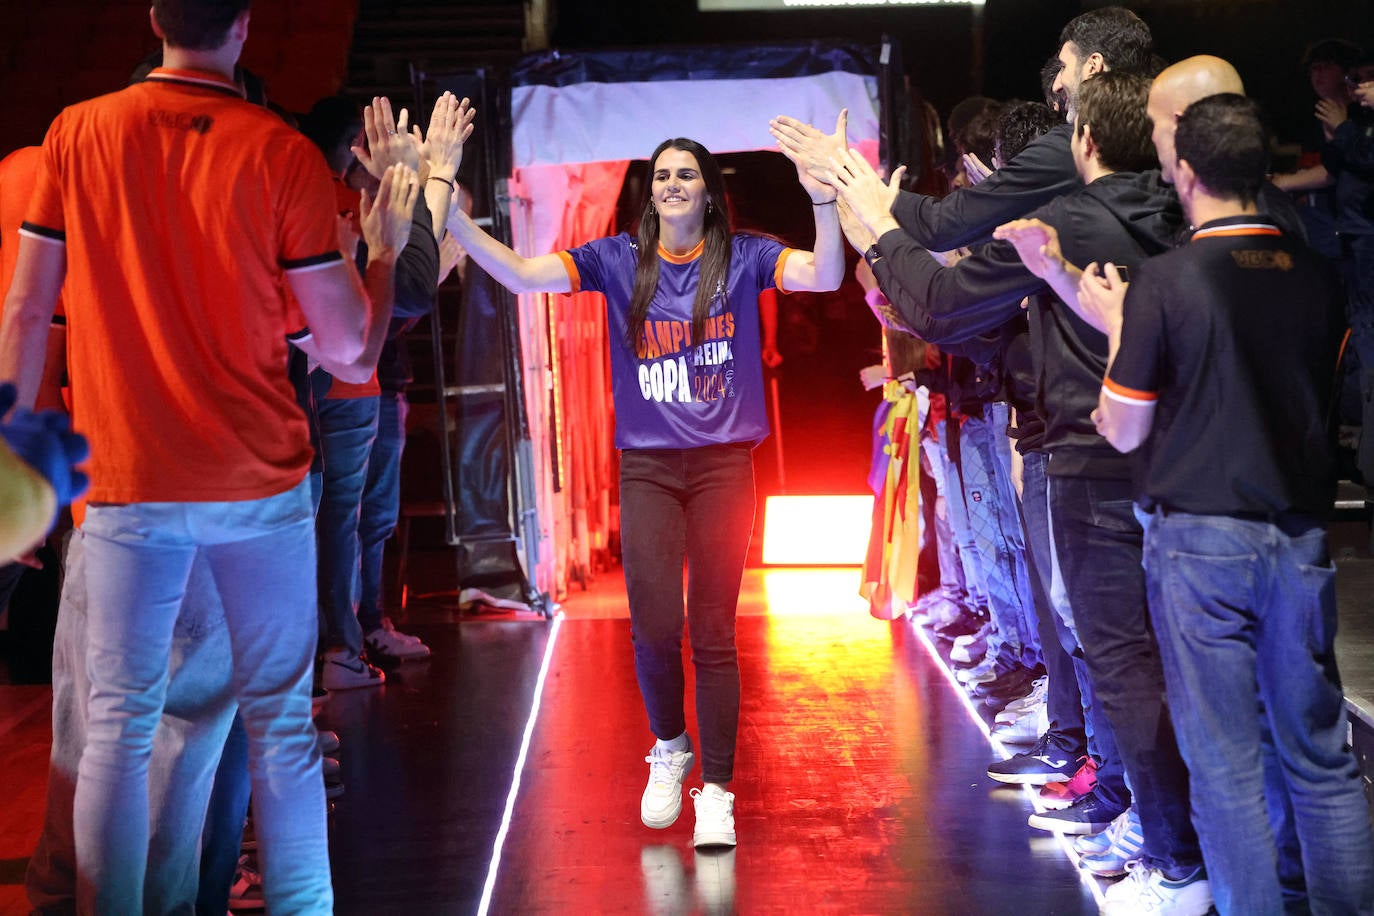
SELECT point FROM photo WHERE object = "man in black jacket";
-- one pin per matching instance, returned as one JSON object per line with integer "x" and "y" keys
{"x": 1097, "y": 539}
{"x": 1111, "y": 38}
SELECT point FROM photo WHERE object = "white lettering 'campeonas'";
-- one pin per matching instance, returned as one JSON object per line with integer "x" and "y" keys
{"x": 665, "y": 381}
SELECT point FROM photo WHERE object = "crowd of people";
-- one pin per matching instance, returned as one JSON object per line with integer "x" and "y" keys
{"x": 1129, "y": 433}
{"x": 230, "y": 346}
{"x": 1112, "y": 390}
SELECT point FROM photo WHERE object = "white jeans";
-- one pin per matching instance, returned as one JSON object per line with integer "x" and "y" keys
{"x": 261, "y": 558}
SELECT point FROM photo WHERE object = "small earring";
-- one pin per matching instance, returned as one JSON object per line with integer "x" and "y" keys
{"x": 651, "y": 209}
{"x": 708, "y": 206}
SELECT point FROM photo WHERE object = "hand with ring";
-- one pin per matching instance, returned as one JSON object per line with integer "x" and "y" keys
{"x": 388, "y": 140}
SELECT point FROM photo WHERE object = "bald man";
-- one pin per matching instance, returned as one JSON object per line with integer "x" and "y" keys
{"x": 1186, "y": 82}
{"x": 1175, "y": 89}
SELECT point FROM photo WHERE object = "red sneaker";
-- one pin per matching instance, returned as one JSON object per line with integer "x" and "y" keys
{"x": 1059, "y": 795}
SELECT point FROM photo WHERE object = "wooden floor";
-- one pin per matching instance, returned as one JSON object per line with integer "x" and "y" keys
{"x": 860, "y": 778}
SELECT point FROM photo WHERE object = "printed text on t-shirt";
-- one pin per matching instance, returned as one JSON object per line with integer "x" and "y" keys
{"x": 665, "y": 348}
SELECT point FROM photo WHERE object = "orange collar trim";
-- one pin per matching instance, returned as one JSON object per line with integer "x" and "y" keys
{"x": 687, "y": 258}
{"x": 1235, "y": 230}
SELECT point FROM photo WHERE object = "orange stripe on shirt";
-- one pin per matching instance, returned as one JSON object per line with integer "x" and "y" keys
{"x": 1122, "y": 393}
{"x": 571, "y": 267}
{"x": 777, "y": 271}
{"x": 1222, "y": 232}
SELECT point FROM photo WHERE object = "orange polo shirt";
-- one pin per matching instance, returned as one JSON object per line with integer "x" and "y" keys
{"x": 182, "y": 208}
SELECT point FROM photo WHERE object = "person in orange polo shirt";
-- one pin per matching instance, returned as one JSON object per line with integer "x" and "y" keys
{"x": 177, "y": 213}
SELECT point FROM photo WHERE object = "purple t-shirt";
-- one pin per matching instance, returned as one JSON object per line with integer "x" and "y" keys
{"x": 673, "y": 394}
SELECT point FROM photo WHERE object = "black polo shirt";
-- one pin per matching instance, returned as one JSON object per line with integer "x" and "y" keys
{"x": 1235, "y": 338}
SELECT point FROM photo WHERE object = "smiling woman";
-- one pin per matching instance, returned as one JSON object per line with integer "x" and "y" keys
{"x": 687, "y": 383}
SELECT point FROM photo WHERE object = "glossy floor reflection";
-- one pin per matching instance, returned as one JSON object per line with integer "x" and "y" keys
{"x": 860, "y": 786}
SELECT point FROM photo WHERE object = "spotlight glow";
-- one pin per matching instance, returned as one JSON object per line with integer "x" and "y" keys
{"x": 500, "y": 843}
{"x": 816, "y": 530}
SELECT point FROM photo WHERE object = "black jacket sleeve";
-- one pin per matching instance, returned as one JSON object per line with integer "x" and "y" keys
{"x": 948, "y": 305}
{"x": 417, "y": 267}
{"x": 1351, "y": 148}
{"x": 1041, "y": 172}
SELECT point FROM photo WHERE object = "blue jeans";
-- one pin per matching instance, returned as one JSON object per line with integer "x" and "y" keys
{"x": 347, "y": 428}
{"x": 185, "y": 747}
{"x": 935, "y": 461}
{"x": 1246, "y": 617}
{"x": 1098, "y": 542}
{"x": 222, "y": 838}
{"x": 698, "y": 505}
{"x": 1064, "y": 706}
{"x": 381, "y": 505}
{"x": 139, "y": 560}
{"x": 956, "y": 510}
{"x": 990, "y": 503}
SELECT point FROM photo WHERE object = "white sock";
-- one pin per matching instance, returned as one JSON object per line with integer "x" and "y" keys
{"x": 677, "y": 745}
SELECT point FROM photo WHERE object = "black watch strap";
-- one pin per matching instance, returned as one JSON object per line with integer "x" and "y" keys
{"x": 872, "y": 254}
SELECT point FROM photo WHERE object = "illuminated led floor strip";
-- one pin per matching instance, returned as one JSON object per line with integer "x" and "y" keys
{"x": 1031, "y": 792}
{"x": 495, "y": 865}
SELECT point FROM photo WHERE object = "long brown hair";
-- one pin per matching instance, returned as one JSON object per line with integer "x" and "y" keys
{"x": 714, "y": 266}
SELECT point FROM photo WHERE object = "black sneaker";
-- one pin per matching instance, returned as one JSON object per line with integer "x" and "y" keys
{"x": 1041, "y": 764}
{"x": 1090, "y": 814}
{"x": 965, "y": 624}
{"x": 1007, "y": 686}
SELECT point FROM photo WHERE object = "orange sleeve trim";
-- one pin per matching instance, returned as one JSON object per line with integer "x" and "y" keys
{"x": 1120, "y": 392}
{"x": 571, "y": 267}
{"x": 778, "y": 270}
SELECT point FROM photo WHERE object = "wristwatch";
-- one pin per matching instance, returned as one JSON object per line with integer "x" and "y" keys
{"x": 872, "y": 255}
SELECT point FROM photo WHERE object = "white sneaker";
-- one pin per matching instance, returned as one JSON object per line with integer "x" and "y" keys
{"x": 343, "y": 671}
{"x": 1040, "y": 688}
{"x": 392, "y": 643}
{"x": 968, "y": 649}
{"x": 1146, "y": 891}
{"x": 1022, "y": 729}
{"x": 715, "y": 816}
{"x": 662, "y": 799}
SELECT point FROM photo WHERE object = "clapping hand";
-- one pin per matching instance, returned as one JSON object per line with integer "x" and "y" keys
{"x": 389, "y": 142}
{"x": 1101, "y": 292}
{"x": 450, "y": 125}
{"x": 386, "y": 217}
{"x": 863, "y": 190}
{"x": 810, "y": 150}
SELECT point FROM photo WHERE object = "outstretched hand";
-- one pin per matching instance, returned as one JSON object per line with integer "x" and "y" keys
{"x": 389, "y": 141}
{"x": 975, "y": 169}
{"x": 450, "y": 125}
{"x": 863, "y": 191}
{"x": 1037, "y": 242}
{"x": 386, "y": 217}
{"x": 810, "y": 150}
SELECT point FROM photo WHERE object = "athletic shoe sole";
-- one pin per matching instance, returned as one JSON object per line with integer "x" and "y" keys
{"x": 1060, "y": 825}
{"x": 700, "y": 840}
{"x": 662, "y": 821}
{"x": 1028, "y": 779}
